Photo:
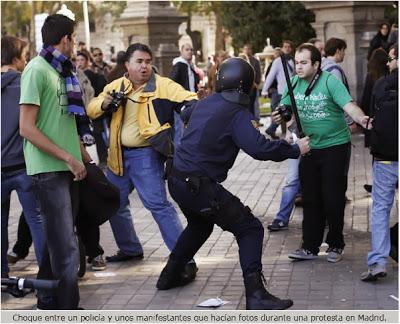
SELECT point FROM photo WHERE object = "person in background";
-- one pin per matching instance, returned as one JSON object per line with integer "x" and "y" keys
{"x": 255, "y": 63}
{"x": 183, "y": 72}
{"x": 13, "y": 167}
{"x": 319, "y": 44}
{"x": 82, "y": 46}
{"x": 119, "y": 69}
{"x": 219, "y": 57}
{"x": 276, "y": 74}
{"x": 98, "y": 64}
{"x": 376, "y": 68}
{"x": 384, "y": 148}
{"x": 380, "y": 40}
{"x": 98, "y": 82}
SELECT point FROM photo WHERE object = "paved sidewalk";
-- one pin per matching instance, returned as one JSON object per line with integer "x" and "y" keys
{"x": 315, "y": 284}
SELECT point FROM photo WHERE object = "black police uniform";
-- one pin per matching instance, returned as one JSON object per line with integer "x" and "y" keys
{"x": 217, "y": 130}
{"x": 219, "y": 126}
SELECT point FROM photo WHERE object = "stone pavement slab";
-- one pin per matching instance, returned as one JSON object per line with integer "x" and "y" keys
{"x": 315, "y": 284}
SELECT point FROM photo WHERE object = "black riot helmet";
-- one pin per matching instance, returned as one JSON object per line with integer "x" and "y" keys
{"x": 235, "y": 74}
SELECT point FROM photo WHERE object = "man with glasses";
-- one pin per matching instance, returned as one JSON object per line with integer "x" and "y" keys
{"x": 98, "y": 64}
{"x": 140, "y": 142}
{"x": 384, "y": 148}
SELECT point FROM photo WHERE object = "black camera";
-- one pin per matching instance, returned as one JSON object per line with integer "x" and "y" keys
{"x": 118, "y": 99}
{"x": 285, "y": 111}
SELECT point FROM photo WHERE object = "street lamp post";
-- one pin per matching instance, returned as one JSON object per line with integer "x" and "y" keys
{"x": 86, "y": 22}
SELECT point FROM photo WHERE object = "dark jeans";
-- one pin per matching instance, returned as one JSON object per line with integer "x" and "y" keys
{"x": 58, "y": 197}
{"x": 323, "y": 178}
{"x": 213, "y": 204}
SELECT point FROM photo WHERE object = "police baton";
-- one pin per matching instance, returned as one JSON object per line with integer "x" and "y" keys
{"x": 291, "y": 95}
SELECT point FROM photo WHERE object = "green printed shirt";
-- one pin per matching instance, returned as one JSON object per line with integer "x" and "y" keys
{"x": 43, "y": 86}
{"x": 321, "y": 113}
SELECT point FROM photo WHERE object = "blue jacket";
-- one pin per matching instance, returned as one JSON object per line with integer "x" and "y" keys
{"x": 216, "y": 131}
{"x": 11, "y": 142}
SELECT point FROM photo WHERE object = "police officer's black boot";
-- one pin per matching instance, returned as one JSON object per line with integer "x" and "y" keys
{"x": 257, "y": 297}
{"x": 176, "y": 274}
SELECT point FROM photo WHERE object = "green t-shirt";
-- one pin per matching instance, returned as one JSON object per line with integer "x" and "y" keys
{"x": 321, "y": 113}
{"x": 43, "y": 86}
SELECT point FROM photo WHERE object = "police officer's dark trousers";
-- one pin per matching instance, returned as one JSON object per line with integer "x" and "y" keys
{"x": 205, "y": 203}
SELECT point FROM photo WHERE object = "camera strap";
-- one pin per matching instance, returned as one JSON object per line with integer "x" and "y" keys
{"x": 313, "y": 82}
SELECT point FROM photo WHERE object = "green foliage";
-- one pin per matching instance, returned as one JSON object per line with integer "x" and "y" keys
{"x": 253, "y": 21}
{"x": 17, "y": 15}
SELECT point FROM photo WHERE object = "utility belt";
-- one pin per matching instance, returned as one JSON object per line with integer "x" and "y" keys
{"x": 193, "y": 182}
{"x": 224, "y": 209}
{"x": 198, "y": 184}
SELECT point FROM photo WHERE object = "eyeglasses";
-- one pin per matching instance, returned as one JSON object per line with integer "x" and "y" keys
{"x": 390, "y": 59}
{"x": 97, "y": 54}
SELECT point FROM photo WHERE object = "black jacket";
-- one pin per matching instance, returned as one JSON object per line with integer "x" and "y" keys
{"x": 98, "y": 197}
{"x": 385, "y": 111}
{"x": 180, "y": 75}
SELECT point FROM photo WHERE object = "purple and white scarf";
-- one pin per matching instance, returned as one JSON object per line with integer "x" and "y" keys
{"x": 67, "y": 70}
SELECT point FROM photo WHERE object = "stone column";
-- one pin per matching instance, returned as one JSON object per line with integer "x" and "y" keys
{"x": 154, "y": 23}
{"x": 354, "y": 21}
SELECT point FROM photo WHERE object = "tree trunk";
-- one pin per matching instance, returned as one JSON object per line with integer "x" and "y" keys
{"x": 220, "y": 36}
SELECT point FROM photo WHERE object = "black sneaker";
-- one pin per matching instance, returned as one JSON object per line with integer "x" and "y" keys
{"x": 121, "y": 256}
{"x": 13, "y": 257}
{"x": 277, "y": 225}
{"x": 374, "y": 272}
{"x": 302, "y": 254}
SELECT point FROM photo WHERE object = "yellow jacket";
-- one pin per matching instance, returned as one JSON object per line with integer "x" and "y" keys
{"x": 154, "y": 114}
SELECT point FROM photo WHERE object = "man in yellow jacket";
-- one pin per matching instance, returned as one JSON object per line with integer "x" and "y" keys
{"x": 142, "y": 106}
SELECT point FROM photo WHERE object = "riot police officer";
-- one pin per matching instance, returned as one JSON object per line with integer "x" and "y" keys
{"x": 219, "y": 126}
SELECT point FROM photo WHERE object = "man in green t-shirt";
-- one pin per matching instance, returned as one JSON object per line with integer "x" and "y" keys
{"x": 50, "y": 99}
{"x": 321, "y": 100}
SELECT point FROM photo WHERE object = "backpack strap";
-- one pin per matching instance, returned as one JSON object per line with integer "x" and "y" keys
{"x": 338, "y": 68}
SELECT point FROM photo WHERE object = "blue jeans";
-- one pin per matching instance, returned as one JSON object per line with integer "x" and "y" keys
{"x": 178, "y": 129}
{"x": 18, "y": 180}
{"x": 289, "y": 191}
{"x": 144, "y": 171}
{"x": 58, "y": 197}
{"x": 385, "y": 177}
